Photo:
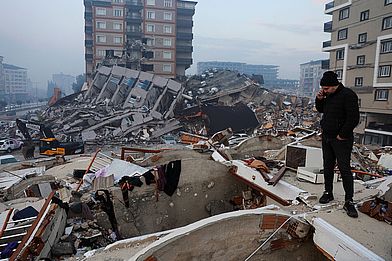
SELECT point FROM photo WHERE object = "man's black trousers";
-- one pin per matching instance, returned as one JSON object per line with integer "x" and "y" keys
{"x": 340, "y": 151}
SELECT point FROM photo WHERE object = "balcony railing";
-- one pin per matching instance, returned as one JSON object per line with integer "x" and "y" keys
{"x": 88, "y": 43}
{"x": 102, "y": 3}
{"x": 134, "y": 18}
{"x": 134, "y": 33}
{"x": 88, "y": 15}
{"x": 185, "y": 11}
{"x": 328, "y": 27}
{"x": 184, "y": 36}
{"x": 327, "y": 44}
{"x": 134, "y": 4}
{"x": 184, "y": 23}
{"x": 88, "y": 56}
{"x": 88, "y": 29}
{"x": 184, "y": 61}
{"x": 184, "y": 49}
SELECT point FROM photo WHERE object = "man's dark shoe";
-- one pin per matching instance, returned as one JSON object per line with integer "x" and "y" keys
{"x": 326, "y": 198}
{"x": 350, "y": 209}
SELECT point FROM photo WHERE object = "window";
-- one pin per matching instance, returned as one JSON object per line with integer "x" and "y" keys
{"x": 381, "y": 95}
{"x": 150, "y": 42}
{"x": 167, "y": 42}
{"x": 388, "y": 2}
{"x": 150, "y": 14}
{"x": 167, "y": 29}
{"x": 386, "y": 46}
{"x": 387, "y": 23}
{"x": 100, "y": 53}
{"x": 118, "y": 53}
{"x": 340, "y": 54}
{"x": 117, "y": 39}
{"x": 150, "y": 2}
{"x": 362, "y": 38}
{"x": 339, "y": 73}
{"x": 384, "y": 71}
{"x": 150, "y": 28}
{"x": 101, "y": 39}
{"x": 167, "y": 3}
{"x": 364, "y": 15}
{"x": 344, "y": 13}
{"x": 118, "y": 12}
{"x": 101, "y": 25}
{"x": 342, "y": 34}
{"x": 118, "y": 1}
{"x": 361, "y": 60}
{"x": 100, "y": 11}
{"x": 167, "y": 68}
{"x": 167, "y": 55}
{"x": 117, "y": 26}
{"x": 168, "y": 16}
{"x": 358, "y": 81}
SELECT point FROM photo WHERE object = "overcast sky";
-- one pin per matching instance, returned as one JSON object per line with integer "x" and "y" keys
{"x": 46, "y": 36}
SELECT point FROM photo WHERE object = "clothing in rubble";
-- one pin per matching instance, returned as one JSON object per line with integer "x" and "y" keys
{"x": 107, "y": 206}
{"x": 80, "y": 209}
{"x": 127, "y": 184}
{"x": 9, "y": 249}
{"x": 161, "y": 179}
{"x": 172, "y": 174}
{"x": 149, "y": 177}
{"x": 25, "y": 213}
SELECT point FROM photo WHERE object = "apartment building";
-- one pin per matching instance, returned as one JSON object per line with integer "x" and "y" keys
{"x": 361, "y": 54}
{"x": 15, "y": 83}
{"x": 148, "y": 35}
{"x": 269, "y": 72}
{"x": 2, "y": 80}
{"x": 64, "y": 82}
{"x": 310, "y": 76}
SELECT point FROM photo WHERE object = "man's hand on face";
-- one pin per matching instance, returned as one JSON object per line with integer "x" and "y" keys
{"x": 339, "y": 138}
{"x": 320, "y": 94}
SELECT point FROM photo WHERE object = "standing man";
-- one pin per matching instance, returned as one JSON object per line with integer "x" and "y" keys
{"x": 339, "y": 106}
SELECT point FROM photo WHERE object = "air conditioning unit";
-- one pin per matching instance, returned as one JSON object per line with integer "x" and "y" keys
{"x": 313, "y": 175}
{"x": 303, "y": 156}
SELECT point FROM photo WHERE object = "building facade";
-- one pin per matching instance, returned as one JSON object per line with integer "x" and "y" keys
{"x": 64, "y": 82}
{"x": 15, "y": 83}
{"x": 269, "y": 72}
{"x": 2, "y": 80}
{"x": 361, "y": 54}
{"x": 148, "y": 35}
{"x": 310, "y": 76}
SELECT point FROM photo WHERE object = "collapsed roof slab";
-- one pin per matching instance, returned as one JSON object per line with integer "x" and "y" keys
{"x": 109, "y": 88}
{"x": 112, "y": 119}
{"x": 100, "y": 79}
{"x": 159, "y": 81}
{"x": 126, "y": 85}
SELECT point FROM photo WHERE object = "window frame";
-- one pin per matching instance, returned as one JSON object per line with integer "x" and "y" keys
{"x": 359, "y": 38}
{"x": 387, "y": 2}
{"x": 378, "y": 95}
{"x": 100, "y": 22}
{"x": 380, "y": 71}
{"x": 167, "y": 39}
{"x": 168, "y": 3}
{"x": 167, "y": 52}
{"x": 339, "y": 54}
{"x": 358, "y": 81}
{"x": 165, "y": 65}
{"x": 151, "y": 15}
{"x": 117, "y": 37}
{"x": 98, "y": 9}
{"x": 384, "y": 22}
{"x": 121, "y": 12}
{"x": 168, "y": 13}
{"x": 117, "y": 23}
{"x": 341, "y": 13}
{"x": 150, "y": 40}
{"x": 150, "y": 2}
{"x": 359, "y": 57}
{"x": 389, "y": 41}
{"x": 364, "y": 15}
{"x": 339, "y": 73}
{"x": 101, "y": 37}
{"x": 150, "y": 26}
{"x": 167, "y": 31}
{"x": 341, "y": 31}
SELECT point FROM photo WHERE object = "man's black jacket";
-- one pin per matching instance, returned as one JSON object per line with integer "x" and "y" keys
{"x": 340, "y": 113}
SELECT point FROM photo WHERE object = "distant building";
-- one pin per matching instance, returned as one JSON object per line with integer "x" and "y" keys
{"x": 361, "y": 54}
{"x": 309, "y": 79}
{"x": 2, "y": 80}
{"x": 149, "y": 35}
{"x": 13, "y": 82}
{"x": 64, "y": 82}
{"x": 269, "y": 72}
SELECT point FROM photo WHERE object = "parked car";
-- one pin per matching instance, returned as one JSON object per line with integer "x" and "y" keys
{"x": 5, "y": 159}
{"x": 9, "y": 145}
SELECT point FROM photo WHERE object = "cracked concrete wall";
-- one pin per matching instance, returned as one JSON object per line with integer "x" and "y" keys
{"x": 205, "y": 188}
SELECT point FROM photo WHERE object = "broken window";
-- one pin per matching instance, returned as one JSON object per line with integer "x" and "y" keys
{"x": 145, "y": 85}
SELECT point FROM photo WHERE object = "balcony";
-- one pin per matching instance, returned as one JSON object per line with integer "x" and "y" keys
{"x": 102, "y": 3}
{"x": 88, "y": 15}
{"x": 134, "y": 5}
{"x": 184, "y": 61}
{"x": 88, "y": 29}
{"x": 135, "y": 19}
{"x": 88, "y": 57}
{"x": 185, "y": 11}
{"x": 327, "y": 44}
{"x": 88, "y": 43}
{"x": 329, "y": 6}
{"x": 184, "y": 49}
{"x": 184, "y": 23}
{"x": 134, "y": 33}
{"x": 325, "y": 64}
{"x": 184, "y": 36}
{"x": 328, "y": 27}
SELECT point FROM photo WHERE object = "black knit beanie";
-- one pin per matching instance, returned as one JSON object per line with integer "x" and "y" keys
{"x": 330, "y": 78}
